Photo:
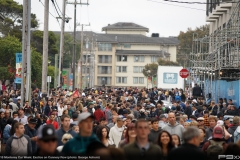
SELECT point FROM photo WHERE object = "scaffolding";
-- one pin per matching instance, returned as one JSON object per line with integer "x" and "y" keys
{"x": 216, "y": 57}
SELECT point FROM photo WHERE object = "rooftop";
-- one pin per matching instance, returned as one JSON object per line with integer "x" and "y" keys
{"x": 125, "y": 25}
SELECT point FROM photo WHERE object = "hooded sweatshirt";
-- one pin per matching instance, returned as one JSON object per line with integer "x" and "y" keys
{"x": 78, "y": 145}
{"x": 18, "y": 146}
{"x": 153, "y": 136}
{"x": 175, "y": 129}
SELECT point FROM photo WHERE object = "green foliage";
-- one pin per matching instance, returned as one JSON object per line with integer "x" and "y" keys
{"x": 152, "y": 67}
{"x": 36, "y": 68}
{"x": 167, "y": 63}
{"x": 186, "y": 42}
{"x": 37, "y": 42}
{"x": 5, "y": 74}
{"x": 68, "y": 49}
{"x": 13, "y": 15}
{"x": 9, "y": 47}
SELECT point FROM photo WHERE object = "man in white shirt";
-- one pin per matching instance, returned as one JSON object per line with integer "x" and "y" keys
{"x": 115, "y": 133}
{"x": 60, "y": 109}
{"x": 14, "y": 106}
{"x": 21, "y": 117}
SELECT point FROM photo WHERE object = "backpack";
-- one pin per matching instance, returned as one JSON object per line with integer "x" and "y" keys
{"x": 236, "y": 135}
{"x": 215, "y": 147}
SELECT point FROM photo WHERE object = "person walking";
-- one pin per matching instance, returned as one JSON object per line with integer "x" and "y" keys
{"x": 19, "y": 144}
{"x": 188, "y": 150}
{"x": 142, "y": 149}
{"x": 32, "y": 132}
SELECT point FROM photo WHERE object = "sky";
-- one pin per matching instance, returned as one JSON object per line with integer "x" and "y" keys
{"x": 165, "y": 18}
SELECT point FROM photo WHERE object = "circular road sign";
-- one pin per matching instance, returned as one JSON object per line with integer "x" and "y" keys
{"x": 184, "y": 73}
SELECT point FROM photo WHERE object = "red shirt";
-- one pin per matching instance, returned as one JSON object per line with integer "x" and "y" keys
{"x": 98, "y": 114}
{"x": 54, "y": 123}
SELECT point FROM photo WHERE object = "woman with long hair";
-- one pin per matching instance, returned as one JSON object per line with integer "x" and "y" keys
{"x": 103, "y": 136}
{"x": 165, "y": 142}
{"x": 176, "y": 140}
{"x": 130, "y": 135}
{"x": 202, "y": 137}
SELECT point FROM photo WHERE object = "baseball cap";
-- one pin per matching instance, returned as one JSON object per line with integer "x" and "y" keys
{"x": 47, "y": 132}
{"x": 84, "y": 116}
{"x": 10, "y": 100}
{"x": 200, "y": 119}
{"x": 54, "y": 109}
{"x": 195, "y": 101}
{"x": 220, "y": 122}
{"x": 120, "y": 118}
{"x": 226, "y": 118}
{"x": 32, "y": 121}
{"x": 218, "y": 132}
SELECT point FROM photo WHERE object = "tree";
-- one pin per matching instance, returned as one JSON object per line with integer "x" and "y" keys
{"x": 36, "y": 68}
{"x": 162, "y": 62}
{"x": 13, "y": 18}
{"x": 9, "y": 47}
{"x": 150, "y": 70}
{"x": 186, "y": 42}
{"x": 37, "y": 42}
{"x": 68, "y": 49}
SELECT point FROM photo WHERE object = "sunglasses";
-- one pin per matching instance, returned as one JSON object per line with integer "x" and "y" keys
{"x": 66, "y": 139}
{"x": 49, "y": 140}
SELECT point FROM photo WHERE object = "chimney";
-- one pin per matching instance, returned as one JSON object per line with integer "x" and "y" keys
{"x": 155, "y": 34}
{"x": 108, "y": 24}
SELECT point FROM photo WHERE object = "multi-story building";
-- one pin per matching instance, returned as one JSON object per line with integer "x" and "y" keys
{"x": 121, "y": 54}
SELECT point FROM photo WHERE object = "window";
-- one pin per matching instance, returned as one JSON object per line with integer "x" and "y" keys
{"x": 121, "y": 68}
{"x": 124, "y": 69}
{"x": 127, "y": 45}
{"x": 121, "y": 79}
{"x": 141, "y": 80}
{"x": 138, "y": 80}
{"x": 138, "y": 69}
{"x": 104, "y": 59}
{"x": 153, "y": 58}
{"x": 135, "y": 69}
{"x": 104, "y": 81}
{"x": 105, "y": 47}
{"x": 138, "y": 58}
{"x": 135, "y": 80}
{"x": 85, "y": 70}
{"x": 86, "y": 59}
{"x": 141, "y": 69}
{"x": 104, "y": 70}
{"x": 122, "y": 58}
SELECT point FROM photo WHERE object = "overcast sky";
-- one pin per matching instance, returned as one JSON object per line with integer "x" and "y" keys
{"x": 165, "y": 18}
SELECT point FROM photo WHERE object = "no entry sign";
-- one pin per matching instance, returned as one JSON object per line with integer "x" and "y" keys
{"x": 184, "y": 73}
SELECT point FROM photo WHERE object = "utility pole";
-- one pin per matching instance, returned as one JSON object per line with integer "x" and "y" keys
{"x": 28, "y": 79}
{"x": 61, "y": 42}
{"x": 81, "y": 56}
{"x": 24, "y": 50}
{"x": 45, "y": 48}
{"x": 55, "y": 70}
{"x": 74, "y": 46}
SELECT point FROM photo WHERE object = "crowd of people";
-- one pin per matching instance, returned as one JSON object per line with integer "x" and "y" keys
{"x": 117, "y": 123}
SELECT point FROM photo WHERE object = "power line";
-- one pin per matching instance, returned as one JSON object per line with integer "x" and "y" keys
{"x": 55, "y": 7}
{"x": 50, "y": 12}
{"x": 195, "y": 2}
{"x": 177, "y": 5}
{"x": 59, "y": 8}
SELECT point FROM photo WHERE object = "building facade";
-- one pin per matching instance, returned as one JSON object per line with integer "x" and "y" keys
{"x": 119, "y": 55}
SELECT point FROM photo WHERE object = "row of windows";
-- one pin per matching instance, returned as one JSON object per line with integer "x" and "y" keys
{"x": 124, "y": 58}
{"x": 107, "y": 80}
{"x": 136, "y": 80}
{"x": 122, "y": 69}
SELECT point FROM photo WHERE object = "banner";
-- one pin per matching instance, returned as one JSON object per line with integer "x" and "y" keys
{"x": 154, "y": 81}
{"x": 18, "y": 74}
{"x": 71, "y": 81}
{"x": 64, "y": 77}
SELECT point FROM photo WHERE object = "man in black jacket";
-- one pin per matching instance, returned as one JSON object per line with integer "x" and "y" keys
{"x": 189, "y": 150}
{"x": 188, "y": 110}
{"x": 31, "y": 132}
{"x": 197, "y": 91}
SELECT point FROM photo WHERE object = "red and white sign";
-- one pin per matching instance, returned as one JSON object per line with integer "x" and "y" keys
{"x": 184, "y": 73}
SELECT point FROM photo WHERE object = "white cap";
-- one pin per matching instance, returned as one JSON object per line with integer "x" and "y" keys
{"x": 194, "y": 100}
{"x": 220, "y": 123}
{"x": 19, "y": 97}
{"x": 84, "y": 116}
{"x": 83, "y": 94}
